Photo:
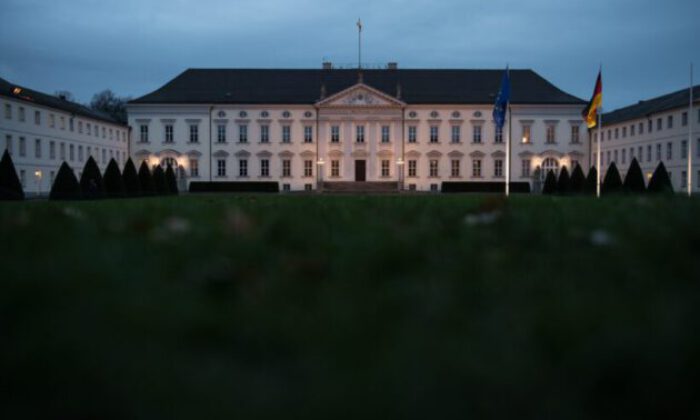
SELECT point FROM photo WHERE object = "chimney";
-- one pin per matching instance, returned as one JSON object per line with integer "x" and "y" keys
{"x": 392, "y": 66}
{"x": 327, "y": 65}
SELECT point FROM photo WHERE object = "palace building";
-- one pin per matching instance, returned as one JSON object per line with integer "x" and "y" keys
{"x": 311, "y": 129}
{"x": 41, "y": 131}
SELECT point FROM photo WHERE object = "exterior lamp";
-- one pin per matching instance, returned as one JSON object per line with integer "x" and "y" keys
{"x": 399, "y": 162}
{"x": 38, "y": 175}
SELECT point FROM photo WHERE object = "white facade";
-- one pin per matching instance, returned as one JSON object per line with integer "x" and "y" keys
{"x": 300, "y": 146}
{"x": 40, "y": 138}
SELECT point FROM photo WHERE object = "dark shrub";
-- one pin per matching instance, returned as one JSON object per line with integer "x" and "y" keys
{"x": 634, "y": 179}
{"x": 660, "y": 183}
{"x": 550, "y": 183}
{"x": 114, "y": 184}
{"x": 65, "y": 186}
{"x": 564, "y": 182}
{"x": 590, "y": 186}
{"x": 159, "y": 181}
{"x": 612, "y": 184}
{"x": 171, "y": 180}
{"x": 91, "y": 183}
{"x": 146, "y": 180}
{"x": 478, "y": 187}
{"x": 578, "y": 180}
{"x": 10, "y": 187}
{"x": 253, "y": 186}
{"x": 132, "y": 184}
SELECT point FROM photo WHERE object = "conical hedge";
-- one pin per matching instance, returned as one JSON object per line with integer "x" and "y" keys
{"x": 65, "y": 186}
{"x": 10, "y": 187}
{"x": 660, "y": 183}
{"x": 634, "y": 179}
{"x": 550, "y": 183}
{"x": 146, "y": 180}
{"x": 578, "y": 180}
{"x": 590, "y": 186}
{"x": 612, "y": 184}
{"x": 564, "y": 182}
{"x": 171, "y": 180}
{"x": 132, "y": 184}
{"x": 159, "y": 181}
{"x": 114, "y": 184}
{"x": 91, "y": 183}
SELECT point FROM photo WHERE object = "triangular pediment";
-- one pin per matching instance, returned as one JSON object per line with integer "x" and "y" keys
{"x": 360, "y": 95}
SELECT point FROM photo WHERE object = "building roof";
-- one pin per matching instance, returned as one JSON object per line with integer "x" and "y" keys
{"x": 21, "y": 93}
{"x": 643, "y": 109}
{"x": 300, "y": 86}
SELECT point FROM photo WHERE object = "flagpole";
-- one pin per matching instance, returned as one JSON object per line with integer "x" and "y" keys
{"x": 690, "y": 136}
{"x": 600, "y": 137}
{"x": 510, "y": 111}
{"x": 359, "y": 43}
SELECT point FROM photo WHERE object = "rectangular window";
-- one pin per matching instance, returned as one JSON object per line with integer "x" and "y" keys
{"x": 194, "y": 133}
{"x": 615, "y": 157}
{"x": 640, "y": 154}
{"x": 169, "y": 137}
{"x": 609, "y": 135}
{"x": 242, "y": 167}
{"x": 308, "y": 134}
{"x": 575, "y": 138}
{"x": 286, "y": 168}
{"x": 63, "y": 123}
{"x": 658, "y": 151}
{"x": 264, "y": 167}
{"x": 412, "y": 168}
{"x": 71, "y": 152}
{"x": 308, "y": 168}
{"x": 386, "y": 168}
{"x": 551, "y": 134}
{"x": 80, "y": 127}
{"x": 80, "y": 153}
{"x": 456, "y": 134}
{"x": 617, "y": 133}
{"x": 52, "y": 121}
{"x": 22, "y": 115}
{"x": 8, "y": 111}
{"x": 641, "y": 128}
{"x": 669, "y": 151}
{"x": 63, "y": 151}
{"x": 684, "y": 179}
{"x": 632, "y": 128}
{"x": 89, "y": 152}
{"x": 37, "y": 148}
{"x": 684, "y": 119}
{"x": 194, "y": 168}
{"x": 335, "y": 134}
{"x": 433, "y": 168}
{"x": 143, "y": 133}
{"x": 624, "y": 156}
{"x": 525, "y": 172}
{"x": 669, "y": 123}
{"x": 527, "y": 134}
{"x": 335, "y": 168}
{"x": 412, "y": 134}
{"x": 649, "y": 153}
{"x": 455, "y": 168}
{"x": 476, "y": 168}
{"x": 286, "y": 134}
{"x": 434, "y": 134}
{"x": 52, "y": 150}
{"x": 624, "y": 132}
{"x": 22, "y": 147}
{"x": 498, "y": 139}
{"x": 37, "y": 117}
{"x": 71, "y": 124}
{"x": 386, "y": 134}
{"x": 264, "y": 133}
{"x": 243, "y": 133}
{"x": 360, "y": 134}
{"x": 221, "y": 167}
{"x": 476, "y": 134}
{"x": 659, "y": 124}
{"x": 650, "y": 127}
{"x": 104, "y": 156}
{"x": 104, "y": 133}
{"x": 608, "y": 158}
{"x": 498, "y": 168}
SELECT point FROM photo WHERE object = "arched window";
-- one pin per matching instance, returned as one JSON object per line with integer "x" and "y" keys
{"x": 550, "y": 164}
{"x": 168, "y": 161}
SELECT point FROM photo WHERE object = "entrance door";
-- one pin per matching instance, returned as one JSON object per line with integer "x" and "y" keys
{"x": 360, "y": 170}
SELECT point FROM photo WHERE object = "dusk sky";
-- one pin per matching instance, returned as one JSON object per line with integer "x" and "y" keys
{"x": 135, "y": 46}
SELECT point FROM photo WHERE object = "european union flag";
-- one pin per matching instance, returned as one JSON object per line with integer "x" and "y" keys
{"x": 501, "y": 105}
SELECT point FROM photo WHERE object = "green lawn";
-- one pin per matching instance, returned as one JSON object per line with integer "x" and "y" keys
{"x": 288, "y": 306}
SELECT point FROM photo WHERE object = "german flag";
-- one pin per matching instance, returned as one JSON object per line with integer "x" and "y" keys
{"x": 591, "y": 110}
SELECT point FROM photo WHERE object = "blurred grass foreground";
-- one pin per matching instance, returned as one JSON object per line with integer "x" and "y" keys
{"x": 350, "y": 307}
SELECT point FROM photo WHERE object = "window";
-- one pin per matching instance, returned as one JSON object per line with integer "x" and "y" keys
{"x": 37, "y": 148}
{"x": 551, "y": 134}
{"x": 684, "y": 179}
{"x": 498, "y": 168}
{"x": 476, "y": 134}
{"x": 243, "y": 133}
{"x": 360, "y": 133}
{"x": 498, "y": 135}
{"x": 434, "y": 134}
{"x": 476, "y": 168}
{"x": 658, "y": 151}
{"x": 624, "y": 132}
{"x": 335, "y": 168}
{"x": 143, "y": 133}
{"x": 669, "y": 151}
{"x": 640, "y": 153}
{"x": 104, "y": 133}
{"x": 37, "y": 117}
{"x": 80, "y": 127}
{"x": 525, "y": 167}
{"x": 52, "y": 150}
{"x": 104, "y": 156}
{"x": 286, "y": 168}
{"x": 609, "y": 135}
{"x": 412, "y": 134}
{"x": 8, "y": 111}
{"x": 63, "y": 123}
{"x": 286, "y": 134}
{"x": 80, "y": 154}
{"x": 551, "y": 164}
{"x": 386, "y": 134}
{"x": 649, "y": 153}
{"x": 641, "y": 128}
{"x": 71, "y": 153}
{"x": 526, "y": 134}
{"x": 456, "y": 134}
{"x": 632, "y": 128}
{"x": 684, "y": 119}
{"x": 669, "y": 121}
{"x": 617, "y": 133}
{"x": 22, "y": 147}
{"x": 659, "y": 124}
{"x": 335, "y": 134}
{"x": 8, "y": 143}
{"x": 650, "y": 126}
{"x": 242, "y": 167}
{"x": 308, "y": 134}
{"x": 624, "y": 156}
{"x": 264, "y": 133}
{"x": 52, "y": 121}
{"x": 221, "y": 167}
{"x": 575, "y": 138}
{"x": 631, "y": 153}
{"x": 308, "y": 168}
{"x": 194, "y": 133}
{"x": 697, "y": 148}
{"x": 264, "y": 167}
{"x": 286, "y": 187}
{"x": 71, "y": 124}
{"x": 194, "y": 168}
{"x": 455, "y": 168}
{"x": 615, "y": 158}
{"x": 63, "y": 151}
{"x": 22, "y": 177}
{"x": 52, "y": 176}
{"x": 607, "y": 157}
{"x": 386, "y": 168}
{"x": 433, "y": 168}
{"x": 89, "y": 152}
{"x": 22, "y": 115}
{"x": 169, "y": 137}
{"x": 412, "y": 168}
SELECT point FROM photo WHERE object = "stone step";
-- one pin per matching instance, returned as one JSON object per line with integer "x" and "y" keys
{"x": 358, "y": 187}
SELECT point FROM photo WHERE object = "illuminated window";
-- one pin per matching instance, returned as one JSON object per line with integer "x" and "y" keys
{"x": 194, "y": 168}
{"x": 551, "y": 164}
{"x": 526, "y": 139}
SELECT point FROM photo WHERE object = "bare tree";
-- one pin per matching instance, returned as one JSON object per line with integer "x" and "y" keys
{"x": 65, "y": 95}
{"x": 111, "y": 104}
